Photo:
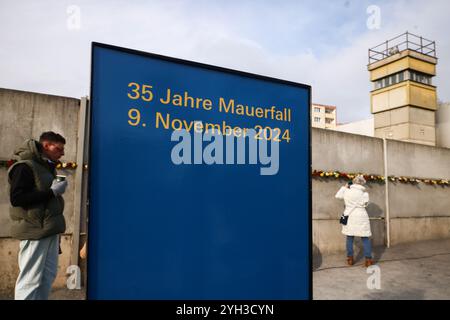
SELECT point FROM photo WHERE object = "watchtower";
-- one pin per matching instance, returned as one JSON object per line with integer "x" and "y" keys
{"x": 403, "y": 99}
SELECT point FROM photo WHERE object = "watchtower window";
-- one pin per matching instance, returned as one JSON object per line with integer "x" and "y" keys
{"x": 402, "y": 76}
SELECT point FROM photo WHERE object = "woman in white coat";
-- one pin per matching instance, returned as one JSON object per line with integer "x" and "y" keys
{"x": 356, "y": 200}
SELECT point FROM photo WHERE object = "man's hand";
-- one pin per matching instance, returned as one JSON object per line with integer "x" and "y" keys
{"x": 58, "y": 187}
{"x": 83, "y": 253}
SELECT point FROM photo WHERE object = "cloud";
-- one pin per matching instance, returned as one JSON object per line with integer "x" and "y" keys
{"x": 322, "y": 43}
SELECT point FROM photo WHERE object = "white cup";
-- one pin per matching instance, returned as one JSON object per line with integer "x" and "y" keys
{"x": 60, "y": 177}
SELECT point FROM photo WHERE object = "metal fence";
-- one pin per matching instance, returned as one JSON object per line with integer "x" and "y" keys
{"x": 405, "y": 41}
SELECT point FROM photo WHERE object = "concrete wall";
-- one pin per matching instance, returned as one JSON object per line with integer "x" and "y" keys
{"x": 25, "y": 115}
{"x": 418, "y": 212}
{"x": 343, "y": 152}
{"x": 443, "y": 125}
{"x": 423, "y": 210}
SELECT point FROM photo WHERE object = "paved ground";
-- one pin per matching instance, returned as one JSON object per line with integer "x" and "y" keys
{"x": 56, "y": 294}
{"x": 407, "y": 272}
{"x": 66, "y": 294}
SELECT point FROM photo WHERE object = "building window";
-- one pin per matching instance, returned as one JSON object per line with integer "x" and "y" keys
{"x": 419, "y": 77}
{"x": 317, "y": 119}
{"x": 329, "y": 111}
{"x": 393, "y": 79}
{"x": 422, "y": 78}
{"x": 328, "y": 120}
{"x": 402, "y": 76}
{"x": 378, "y": 84}
{"x": 316, "y": 109}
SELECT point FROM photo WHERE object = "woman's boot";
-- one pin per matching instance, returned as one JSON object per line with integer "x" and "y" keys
{"x": 350, "y": 260}
{"x": 369, "y": 262}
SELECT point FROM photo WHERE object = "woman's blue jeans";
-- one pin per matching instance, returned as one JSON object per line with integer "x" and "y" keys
{"x": 366, "y": 245}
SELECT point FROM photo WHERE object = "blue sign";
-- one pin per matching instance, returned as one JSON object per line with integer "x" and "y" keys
{"x": 199, "y": 181}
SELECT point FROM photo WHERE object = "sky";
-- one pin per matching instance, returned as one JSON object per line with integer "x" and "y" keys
{"x": 45, "y": 45}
